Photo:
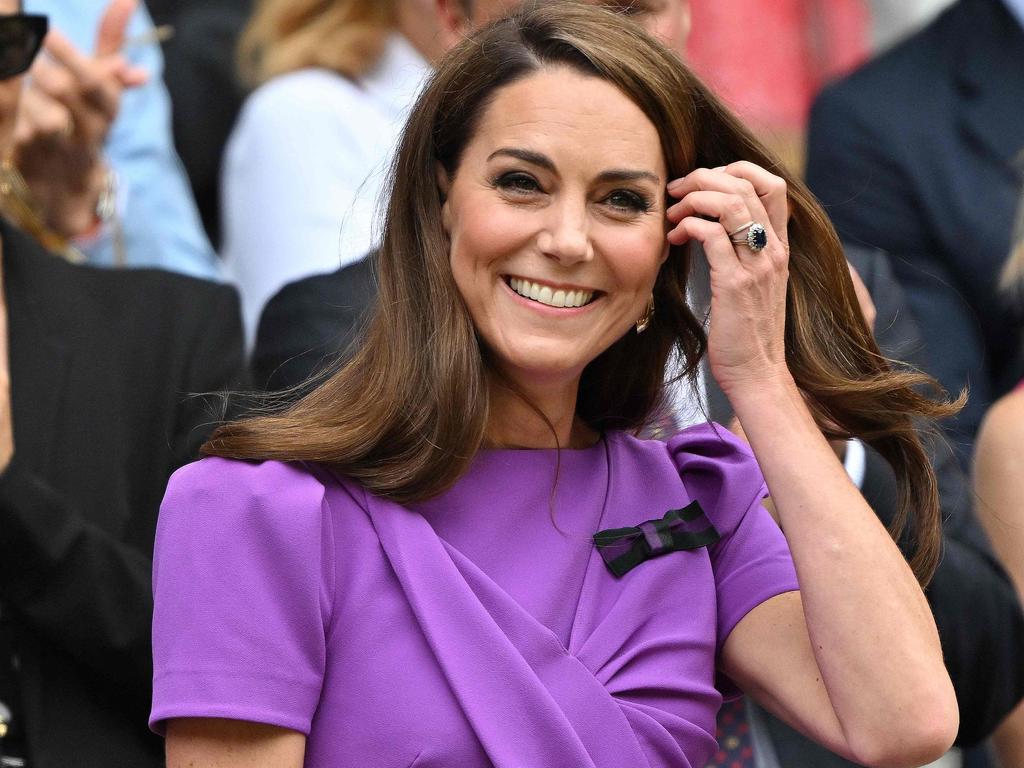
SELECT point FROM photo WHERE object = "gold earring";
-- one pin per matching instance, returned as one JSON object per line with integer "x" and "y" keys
{"x": 645, "y": 319}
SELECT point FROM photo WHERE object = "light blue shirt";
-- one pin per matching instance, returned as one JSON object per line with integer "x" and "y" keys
{"x": 159, "y": 220}
{"x": 1016, "y": 7}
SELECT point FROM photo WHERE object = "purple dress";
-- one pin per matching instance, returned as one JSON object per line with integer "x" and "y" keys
{"x": 480, "y": 628}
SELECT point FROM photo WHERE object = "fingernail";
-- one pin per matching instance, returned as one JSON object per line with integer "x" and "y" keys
{"x": 675, "y": 185}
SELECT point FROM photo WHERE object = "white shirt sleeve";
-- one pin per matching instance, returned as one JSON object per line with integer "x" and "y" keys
{"x": 855, "y": 461}
{"x": 303, "y": 170}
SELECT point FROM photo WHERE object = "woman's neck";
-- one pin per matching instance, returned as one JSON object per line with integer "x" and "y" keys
{"x": 541, "y": 416}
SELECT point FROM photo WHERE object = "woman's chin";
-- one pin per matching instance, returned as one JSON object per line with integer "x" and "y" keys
{"x": 545, "y": 365}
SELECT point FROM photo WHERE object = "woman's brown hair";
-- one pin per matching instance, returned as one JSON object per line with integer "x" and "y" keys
{"x": 408, "y": 413}
{"x": 344, "y": 36}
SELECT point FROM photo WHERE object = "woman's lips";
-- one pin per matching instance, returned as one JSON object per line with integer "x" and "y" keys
{"x": 548, "y": 295}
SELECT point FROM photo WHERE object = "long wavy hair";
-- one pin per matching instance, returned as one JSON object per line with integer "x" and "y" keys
{"x": 408, "y": 412}
{"x": 344, "y": 36}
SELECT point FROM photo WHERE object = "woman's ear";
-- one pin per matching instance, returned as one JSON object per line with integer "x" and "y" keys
{"x": 455, "y": 21}
{"x": 443, "y": 184}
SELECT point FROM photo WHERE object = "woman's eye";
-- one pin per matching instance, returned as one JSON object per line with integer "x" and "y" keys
{"x": 518, "y": 183}
{"x": 625, "y": 200}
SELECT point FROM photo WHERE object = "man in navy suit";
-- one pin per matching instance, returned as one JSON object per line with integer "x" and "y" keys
{"x": 919, "y": 153}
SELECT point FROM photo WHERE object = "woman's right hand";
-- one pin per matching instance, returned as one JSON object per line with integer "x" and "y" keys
{"x": 746, "y": 341}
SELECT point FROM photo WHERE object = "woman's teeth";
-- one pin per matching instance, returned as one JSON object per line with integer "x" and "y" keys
{"x": 549, "y": 296}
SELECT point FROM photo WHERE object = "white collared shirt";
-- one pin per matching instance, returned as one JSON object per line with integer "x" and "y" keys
{"x": 304, "y": 170}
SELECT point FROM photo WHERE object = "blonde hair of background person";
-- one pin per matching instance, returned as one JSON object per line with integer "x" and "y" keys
{"x": 345, "y": 36}
{"x": 999, "y": 489}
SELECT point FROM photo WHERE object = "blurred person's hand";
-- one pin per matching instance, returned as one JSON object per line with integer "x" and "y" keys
{"x": 70, "y": 102}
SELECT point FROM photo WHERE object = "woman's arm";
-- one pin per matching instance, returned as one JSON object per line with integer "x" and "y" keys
{"x": 999, "y": 487}
{"x": 999, "y": 482}
{"x": 854, "y": 660}
{"x": 212, "y": 743}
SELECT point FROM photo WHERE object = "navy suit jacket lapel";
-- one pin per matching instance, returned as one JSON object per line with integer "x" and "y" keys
{"x": 991, "y": 79}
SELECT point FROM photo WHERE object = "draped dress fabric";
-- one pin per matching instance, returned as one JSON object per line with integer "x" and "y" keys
{"x": 480, "y": 628}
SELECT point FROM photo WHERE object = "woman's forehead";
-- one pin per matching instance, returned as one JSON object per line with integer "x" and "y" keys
{"x": 559, "y": 106}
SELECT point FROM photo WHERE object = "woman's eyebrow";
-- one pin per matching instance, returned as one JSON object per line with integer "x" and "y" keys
{"x": 543, "y": 161}
{"x": 526, "y": 155}
{"x": 623, "y": 174}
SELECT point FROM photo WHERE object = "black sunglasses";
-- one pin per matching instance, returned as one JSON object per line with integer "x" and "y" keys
{"x": 21, "y": 37}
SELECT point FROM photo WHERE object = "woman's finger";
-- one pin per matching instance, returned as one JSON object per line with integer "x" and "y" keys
{"x": 717, "y": 180}
{"x": 727, "y": 208}
{"x": 736, "y": 215}
{"x": 95, "y": 82}
{"x": 718, "y": 249}
{"x": 41, "y": 118}
{"x": 113, "y": 27}
{"x": 57, "y": 83}
{"x": 764, "y": 192}
{"x": 772, "y": 191}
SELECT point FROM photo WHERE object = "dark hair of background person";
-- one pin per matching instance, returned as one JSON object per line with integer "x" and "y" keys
{"x": 406, "y": 415}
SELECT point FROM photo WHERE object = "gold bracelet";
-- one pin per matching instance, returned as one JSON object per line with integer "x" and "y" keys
{"x": 17, "y": 204}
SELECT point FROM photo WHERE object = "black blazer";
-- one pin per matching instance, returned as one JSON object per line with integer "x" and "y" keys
{"x": 311, "y": 324}
{"x": 101, "y": 365}
{"x": 916, "y": 154}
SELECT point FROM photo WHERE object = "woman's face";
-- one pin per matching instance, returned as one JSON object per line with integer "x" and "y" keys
{"x": 668, "y": 20}
{"x": 557, "y": 222}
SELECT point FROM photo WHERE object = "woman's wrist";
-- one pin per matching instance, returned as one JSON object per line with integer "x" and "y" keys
{"x": 74, "y": 210}
{"x": 764, "y": 388}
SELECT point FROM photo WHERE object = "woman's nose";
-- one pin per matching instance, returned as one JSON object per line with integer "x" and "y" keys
{"x": 566, "y": 237}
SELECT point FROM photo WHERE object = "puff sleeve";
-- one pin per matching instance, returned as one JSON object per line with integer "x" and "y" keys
{"x": 751, "y": 561}
{"x": 243, "y": 585}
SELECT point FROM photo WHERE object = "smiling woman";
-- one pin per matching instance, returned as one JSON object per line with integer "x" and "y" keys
{"x": 456, "y": 552}
{"x": 538, "y": 220}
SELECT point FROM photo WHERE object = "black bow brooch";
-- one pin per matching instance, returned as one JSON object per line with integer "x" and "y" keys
{"x": 623, "y": 549}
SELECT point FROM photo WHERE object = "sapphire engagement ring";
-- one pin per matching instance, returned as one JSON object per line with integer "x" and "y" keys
{"x": 753, "y": 235}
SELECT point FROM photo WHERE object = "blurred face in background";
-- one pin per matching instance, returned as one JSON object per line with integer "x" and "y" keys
{"x": 668, "y": 20}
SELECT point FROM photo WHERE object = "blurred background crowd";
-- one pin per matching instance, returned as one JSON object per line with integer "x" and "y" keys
{"x": 246, "y": 143}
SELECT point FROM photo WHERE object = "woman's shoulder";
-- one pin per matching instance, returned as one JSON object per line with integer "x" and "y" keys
{"x": 215, "y": 488}
{"x": 699, "y": 447}
{"x": 1003, "y": 425}
{"x": 300, "y": 92}
{"x": 214, "y": 474}
{"x": 716, "y": 468}
{"x": 312, "y": 116}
